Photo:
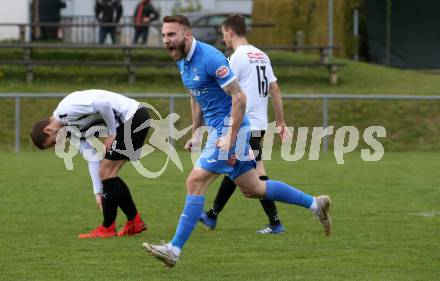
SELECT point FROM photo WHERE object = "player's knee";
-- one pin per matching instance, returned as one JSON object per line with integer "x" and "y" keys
{"x": 254, "y": 189}
{"x": 249, "y": 192}
{"x": 189, "y": 181}
{"x": 193, "y": 185}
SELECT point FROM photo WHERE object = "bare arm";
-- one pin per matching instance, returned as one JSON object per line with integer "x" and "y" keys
{"x": 277, "y": 104}
{"x": 197, "y": 122}
{"x": 196, "y": 115}
{"x": 238, "y": 107}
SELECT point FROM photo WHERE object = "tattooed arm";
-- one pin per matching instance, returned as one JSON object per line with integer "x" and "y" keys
{"x": 237, "y": 113}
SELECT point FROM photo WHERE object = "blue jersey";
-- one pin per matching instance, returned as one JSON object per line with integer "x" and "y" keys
{"x": 205, "y": 71}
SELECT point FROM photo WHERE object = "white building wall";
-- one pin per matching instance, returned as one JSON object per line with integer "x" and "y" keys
{"x": 16, "y": 11}
{"x": 235, "y": 6}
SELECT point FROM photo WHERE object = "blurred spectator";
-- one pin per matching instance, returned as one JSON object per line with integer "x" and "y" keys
{"x": 49, "y": 11}
{"x": 143, "y": 14}
{"x": 108, "y": 12}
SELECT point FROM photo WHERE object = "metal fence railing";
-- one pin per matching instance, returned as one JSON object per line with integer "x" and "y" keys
{"x": 85, "y": 30}
{"x": 171, "y": 97}
{"x": 81, "y": 30}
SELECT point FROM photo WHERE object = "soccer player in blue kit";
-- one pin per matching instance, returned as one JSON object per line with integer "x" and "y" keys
{"x": 218, "y": 102}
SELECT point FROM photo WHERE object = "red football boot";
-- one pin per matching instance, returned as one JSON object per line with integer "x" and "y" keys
{"x": 133, "y": 226}
{"x": 100, "y": 232}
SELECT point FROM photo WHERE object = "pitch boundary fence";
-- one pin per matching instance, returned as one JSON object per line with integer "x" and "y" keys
{"x": 172, "y": 97}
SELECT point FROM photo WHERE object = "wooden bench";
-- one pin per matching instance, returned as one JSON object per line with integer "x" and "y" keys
{"x": 324, "y": 59}
{"x": 126, "y": 61}
{"x": 29, "y": 62}
{"x": 332, "y": 68}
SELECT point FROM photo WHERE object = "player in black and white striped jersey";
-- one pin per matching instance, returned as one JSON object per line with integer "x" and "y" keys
{"x": 121, "y": 116}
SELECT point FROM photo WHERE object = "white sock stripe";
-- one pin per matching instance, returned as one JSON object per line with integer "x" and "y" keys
{"x": 265, "y": 230}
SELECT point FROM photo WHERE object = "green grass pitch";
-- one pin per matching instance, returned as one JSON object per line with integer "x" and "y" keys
{"x": 386, "y": 218}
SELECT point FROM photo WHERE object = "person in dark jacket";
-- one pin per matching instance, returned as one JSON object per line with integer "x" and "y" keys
{"x": 49, "y": 11}
{"x": 108, "y": 12}
{"x": 143, "y": 15}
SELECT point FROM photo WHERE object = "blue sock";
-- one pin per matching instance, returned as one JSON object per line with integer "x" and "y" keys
{"x": 191, "y": 213}
{"x": 280, "y": 191}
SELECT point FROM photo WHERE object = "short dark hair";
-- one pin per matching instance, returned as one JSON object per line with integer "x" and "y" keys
{"x": 38, "y": 135}
{"x": 181, "y": 19}
{"x": 236, "y": 23}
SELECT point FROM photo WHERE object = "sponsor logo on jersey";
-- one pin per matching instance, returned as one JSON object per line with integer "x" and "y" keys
{"x": 196, "y": 77}
{"x": 258, "y": 56}
{"x": 222, "y": 71}
{"x": 198, "y": 92}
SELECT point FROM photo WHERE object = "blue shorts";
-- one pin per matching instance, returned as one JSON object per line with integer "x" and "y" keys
{"x": 235, "y": 162}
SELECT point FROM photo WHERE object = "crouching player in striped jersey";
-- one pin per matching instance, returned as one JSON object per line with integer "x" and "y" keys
{"x": 121, "y": 116}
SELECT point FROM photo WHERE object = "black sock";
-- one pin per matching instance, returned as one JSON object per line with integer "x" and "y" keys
{"x": 110, "y": 198}
{"x": 227, "y": 187}
{"x": 269, "y": 207}
{"x": 126, "y": 202}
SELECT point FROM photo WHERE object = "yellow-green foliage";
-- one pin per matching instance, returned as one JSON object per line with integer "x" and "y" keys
{"x": 308, "y": 16}
{"x": 276, "y": 13}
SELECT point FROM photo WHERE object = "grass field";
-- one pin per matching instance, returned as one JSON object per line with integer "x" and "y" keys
{"x": 386, "y": 223}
